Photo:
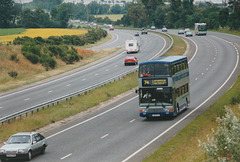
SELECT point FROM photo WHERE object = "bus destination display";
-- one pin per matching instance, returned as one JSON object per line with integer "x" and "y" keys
{"x": 154, "y": 82}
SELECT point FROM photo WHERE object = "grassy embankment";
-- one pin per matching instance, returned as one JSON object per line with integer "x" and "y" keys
{"x": 78, "y": 104}
{"x": 29, "y": 73}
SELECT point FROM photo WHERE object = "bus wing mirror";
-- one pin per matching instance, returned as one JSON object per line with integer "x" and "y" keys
{"x": 136, "y": 90}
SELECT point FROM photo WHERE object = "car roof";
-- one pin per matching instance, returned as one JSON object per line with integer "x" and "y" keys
{"x": 24, "y": 133}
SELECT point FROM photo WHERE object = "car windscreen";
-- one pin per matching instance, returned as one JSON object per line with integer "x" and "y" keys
{"x": 19, "y": 139}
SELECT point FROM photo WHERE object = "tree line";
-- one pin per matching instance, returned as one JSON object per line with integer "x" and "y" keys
{"x": 54, "y": 13}
{"x": 172, "y": 14}
{"x": 182, "y": 14}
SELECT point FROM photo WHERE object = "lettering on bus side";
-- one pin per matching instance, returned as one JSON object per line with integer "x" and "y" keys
{"x": 180, "y": 76}
{"x": 155, "y": 82}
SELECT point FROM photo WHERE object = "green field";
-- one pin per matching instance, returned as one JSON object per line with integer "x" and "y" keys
{"x": 11, "y": 31}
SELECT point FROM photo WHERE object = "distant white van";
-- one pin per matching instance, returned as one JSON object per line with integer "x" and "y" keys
{"x": 132, "y": 46}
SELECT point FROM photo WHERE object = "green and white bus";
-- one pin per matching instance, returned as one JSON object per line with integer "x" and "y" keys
{"x": 163, "y": 86}
{"x": 200, "y": 28}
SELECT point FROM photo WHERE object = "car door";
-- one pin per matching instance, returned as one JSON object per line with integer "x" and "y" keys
{"x": 36, "y": 144}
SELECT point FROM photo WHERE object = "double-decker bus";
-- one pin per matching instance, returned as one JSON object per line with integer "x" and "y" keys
{"x": 163, "y": 86}
{"x": 200, "y": 28}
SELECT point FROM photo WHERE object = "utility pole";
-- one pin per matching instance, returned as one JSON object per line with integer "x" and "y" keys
{"x": 87, "y": 18}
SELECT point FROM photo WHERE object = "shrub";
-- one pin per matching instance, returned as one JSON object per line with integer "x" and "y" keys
{"x": 236, "y": 99}
{"x": 32, "y": 58}
{"x": 48, "y": 61}
{"x": 225, "y": 143}
{"x": 55, "y": 40}
{"x": 22, "y": 40}
{"x": 13, "y": 74}
{"x": 31, "y": 47}
{"x": 39, "y": 40}
{"x": 14, "y": 57}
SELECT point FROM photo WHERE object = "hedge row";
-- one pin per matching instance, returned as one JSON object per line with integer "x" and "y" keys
{"x": 44, "y": 51}
{"x": 91, "y": 37}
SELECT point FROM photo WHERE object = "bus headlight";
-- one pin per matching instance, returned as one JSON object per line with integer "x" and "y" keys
{"x": 143, "y": 110}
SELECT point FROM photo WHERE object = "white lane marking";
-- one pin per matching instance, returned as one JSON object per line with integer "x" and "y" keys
{"x": 64, "y": 77}
{"x": 104, "y": 136}
{"x": 68, "y": 85}
{"x": 26, "y": 99}
{"x": 206, "y": 68}
{"x": 202, "y": 73}
{"x": 96, "y": 74}
{"x": 132, "y": 120}
{"x": 160, "y": 135}
{"x": 83, "y": 79}
{"x": 196, "y": 78}
{"x": 66, "y": 156}
{"x": 50, "y": 91}
{"x": 85, "y": 121}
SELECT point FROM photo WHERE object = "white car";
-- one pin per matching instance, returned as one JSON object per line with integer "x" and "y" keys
{"x": 153, "y": 28}
{"x": 164, "y": 29}
{"x": 23, "y": 146}
{"x": 186, "y": 30}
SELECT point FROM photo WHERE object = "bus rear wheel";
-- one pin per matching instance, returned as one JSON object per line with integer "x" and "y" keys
{"x": 176, "y": 111}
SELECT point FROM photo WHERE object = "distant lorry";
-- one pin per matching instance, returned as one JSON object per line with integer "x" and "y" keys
{"x": 132, "y": 46}
{"x": 200, "y": 28}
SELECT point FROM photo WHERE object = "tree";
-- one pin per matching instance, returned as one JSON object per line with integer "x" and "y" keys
{"x": 116, "y": 9}
{"x": 8, "y": 13}
{"x": 61, "y": 15}
{"x": 35, "y": 19}
{"x": 138, "y": 16}
{"x": 223, "y": 17}
{"x": 159, "y": 17}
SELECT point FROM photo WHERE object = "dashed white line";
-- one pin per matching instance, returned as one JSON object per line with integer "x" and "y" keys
{"x": 196, "y": 78}
{"x": 66, "y": 156}
{"x": 68, "y": 85}
{"x": 96, "y": 74}
{"x": 104, "y": 136}
{"x": 50, "y": 91}
{"x": 83, "y": 79}
{"x": 26, "y": 99}
{"x": 132, "y": 120}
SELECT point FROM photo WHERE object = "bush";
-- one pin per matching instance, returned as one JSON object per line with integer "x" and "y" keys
{"x": 22, "y": 40}
{"x": 225, "y": 143}
{"x": 13, "y": 74}
{"x": 31, "y": 47}
{"x": 13, "y": 57}
{"x": 32, "y": 58}
{"x": 48, "y": 61}
{"x": 236, "y": 99}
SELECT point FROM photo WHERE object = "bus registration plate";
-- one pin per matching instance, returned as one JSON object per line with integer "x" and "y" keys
{"x": 155, "y": 115}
